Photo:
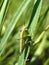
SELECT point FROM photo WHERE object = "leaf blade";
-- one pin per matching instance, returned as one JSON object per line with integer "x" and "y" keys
{"x": 35, "y": 16}
{"x": 13, "y": 23}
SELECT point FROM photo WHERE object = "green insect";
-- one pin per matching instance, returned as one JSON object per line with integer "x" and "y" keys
{"x": 24, "y": 38}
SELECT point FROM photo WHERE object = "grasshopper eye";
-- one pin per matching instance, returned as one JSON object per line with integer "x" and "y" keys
{"x": 20, "y": 30}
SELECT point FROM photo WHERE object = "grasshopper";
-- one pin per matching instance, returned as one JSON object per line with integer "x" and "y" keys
{"x": 24, "y": 38}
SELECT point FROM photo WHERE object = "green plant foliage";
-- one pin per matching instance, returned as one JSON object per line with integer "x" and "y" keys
{"x": 24, "y": 32}
{"x": 21, "y": 58}
{"x": 12, "y": 24}
{"x": 35, "y": 16}
{"x": 2, "y": 12}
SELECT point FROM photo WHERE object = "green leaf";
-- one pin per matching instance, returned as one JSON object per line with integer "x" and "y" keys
{"x": 39, "y": 50}
{"x": 2, "y": 12}
{"x": 12, "y": 24}
{"x": 46, "y": 62}
{"x": 1, "y": 1}
{"x": 21, "y": 58}
{"x": 27, "y": 53}
{"x": 35, "y": 16}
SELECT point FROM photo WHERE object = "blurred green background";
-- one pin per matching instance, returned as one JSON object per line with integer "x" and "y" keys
{"x": 11, "y": 53}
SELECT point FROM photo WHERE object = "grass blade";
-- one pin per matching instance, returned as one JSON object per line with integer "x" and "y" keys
{"x": 39, "y": 50}
{"x": 35, "y": 16}
{"x": 12, "y": 24}
{"x": 2, "y": 13}
{"x": 3, "y": 10}
{"x": 21, "y": 58}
